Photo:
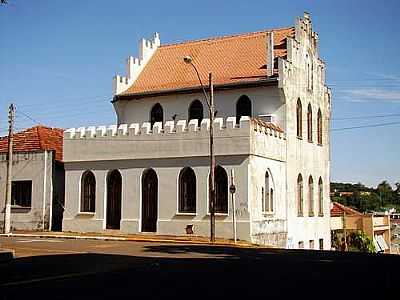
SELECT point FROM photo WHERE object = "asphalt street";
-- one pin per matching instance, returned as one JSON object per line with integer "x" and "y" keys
{"x": 89, "y": 269}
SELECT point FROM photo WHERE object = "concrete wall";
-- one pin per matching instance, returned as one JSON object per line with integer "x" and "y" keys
{"x": 170, "y": 221}
{"x": 37, "y": 167}
{"x": 132, "y": 151}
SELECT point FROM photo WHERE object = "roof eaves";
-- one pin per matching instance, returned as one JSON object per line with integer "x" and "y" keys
{"x": 128, "y": 96}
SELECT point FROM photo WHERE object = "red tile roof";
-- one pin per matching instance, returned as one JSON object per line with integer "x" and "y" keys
{"x": 266, "y": 124}
{"x": 35, "y": 139}
{"x": 338, "y": 210}
{"x": 231, "y": 59}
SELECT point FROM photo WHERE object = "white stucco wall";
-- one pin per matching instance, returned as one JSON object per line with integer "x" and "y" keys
{"x": 265, "y": 100}
{"x": 303, "y": 157}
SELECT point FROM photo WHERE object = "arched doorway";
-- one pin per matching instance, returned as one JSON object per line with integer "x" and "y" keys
{"x": 114, "y": 190}
{"x": 156, "y": 114}
{"x": 149, "y": 200}
{"x": 196, "y": 111}
{"x": 243, "y": 108}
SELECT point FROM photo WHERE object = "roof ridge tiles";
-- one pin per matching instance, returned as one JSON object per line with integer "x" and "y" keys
{"x": 227, "y": 36}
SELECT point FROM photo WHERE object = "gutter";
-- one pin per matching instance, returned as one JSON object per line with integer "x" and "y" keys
{"x": 188, "y": 90}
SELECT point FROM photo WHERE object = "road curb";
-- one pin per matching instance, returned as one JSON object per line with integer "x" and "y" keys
{"x": 131, "y": 239}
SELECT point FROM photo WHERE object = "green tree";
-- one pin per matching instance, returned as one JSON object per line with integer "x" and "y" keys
{"x": 359, "y": 241}
{"x": 385, "y": 192}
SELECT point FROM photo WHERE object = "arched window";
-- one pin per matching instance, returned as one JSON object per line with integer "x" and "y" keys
{"x": 156, "y": 114}
{"x": 268, "y": 205}
{"x": 114, "y": 199}
{"x": 320, "y": 198}
{"x": 319, "y": 127}
{"x": 88, "y": 192}
{"x": 310, "y": 196}
{"x": 309, "y": 124}
{"x": 196, "y": 111}
{"x": 271, "y": 197}
{"x": 243, "y": 108}
{"x": 187, "y": 191}
{"x": 221, "y": 190}
{"x": 299, "y": 119}
{"x": 300, "y": 195}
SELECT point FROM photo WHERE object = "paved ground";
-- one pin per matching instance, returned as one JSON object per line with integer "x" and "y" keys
{"x": 86, "y": 269}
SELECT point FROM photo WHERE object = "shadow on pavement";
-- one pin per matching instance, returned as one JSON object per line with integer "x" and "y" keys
{"x": 241, "y": 273}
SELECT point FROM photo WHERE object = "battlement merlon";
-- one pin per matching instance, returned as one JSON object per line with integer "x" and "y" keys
{"x": 135, "y": 65}
{"x": 168, "y": 140}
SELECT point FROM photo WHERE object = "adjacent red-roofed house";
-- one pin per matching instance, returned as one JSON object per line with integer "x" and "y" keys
{"x": 377, "y": 227}
{"x": 37, "y": 178}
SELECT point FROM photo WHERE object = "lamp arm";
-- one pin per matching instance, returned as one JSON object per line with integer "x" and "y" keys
{"x": 202, "y": 86}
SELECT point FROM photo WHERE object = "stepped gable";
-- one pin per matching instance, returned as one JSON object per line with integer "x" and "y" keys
{"x": 38, "y": 138}
{"x": 231, "y": 59}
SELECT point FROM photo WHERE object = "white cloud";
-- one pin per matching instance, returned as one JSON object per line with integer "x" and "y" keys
{"x": 370, "y": 95}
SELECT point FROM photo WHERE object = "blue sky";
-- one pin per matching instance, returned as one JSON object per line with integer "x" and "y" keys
{"x": 57, "y": 59}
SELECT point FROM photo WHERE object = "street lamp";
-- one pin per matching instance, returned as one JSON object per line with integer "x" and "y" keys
{"x": 211, "y": 109}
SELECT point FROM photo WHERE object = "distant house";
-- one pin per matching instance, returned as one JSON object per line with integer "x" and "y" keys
{"x": 37, "y": 179}
{"x": 377, "y": 227}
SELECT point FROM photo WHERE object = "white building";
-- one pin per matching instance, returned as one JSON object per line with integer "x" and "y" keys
{"x": 149, "y": 172}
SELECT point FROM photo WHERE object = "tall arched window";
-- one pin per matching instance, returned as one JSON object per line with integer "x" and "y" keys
{"x": 196, "y": 111}
{"x": 268, "y": 205}
{"x": 243, "y": 108}
{"x": 300, "y": 195}
{"x": 221, "y": 190}
{"x": 187, "y": 191}
{"x": 319, "y": 127}
{"x": 299, "y": 119}
{"x": 320, "y": 198}
{"x": 266, "y": 193}
{"x": 156, "y": 114}
{"x": 309, "y": 124}
{"x": 310, "y": 196}
{"x": 114, "y": 199}
{"x": 88, "y": 192}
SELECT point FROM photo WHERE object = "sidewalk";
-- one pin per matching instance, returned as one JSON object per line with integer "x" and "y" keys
{"x": 117, "y": 236}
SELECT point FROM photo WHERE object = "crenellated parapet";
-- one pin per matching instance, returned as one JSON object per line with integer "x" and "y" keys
{"x": 166, "y": 140}
{"x": 221, "y": 127}
{"x": 135, "y": 65}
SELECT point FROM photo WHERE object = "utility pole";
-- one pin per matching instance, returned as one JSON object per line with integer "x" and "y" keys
{"x": 212, "y": 160}
{"x": 7, "y": 210}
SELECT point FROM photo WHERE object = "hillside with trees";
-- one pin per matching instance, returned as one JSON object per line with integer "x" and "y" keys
{"x": 367, "y": 199}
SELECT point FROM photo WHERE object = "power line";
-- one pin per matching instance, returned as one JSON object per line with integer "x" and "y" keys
{"x": 366, "y": 117}
{"x": 366, "y": 126}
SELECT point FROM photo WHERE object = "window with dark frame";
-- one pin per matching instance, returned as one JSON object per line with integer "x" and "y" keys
{"x": 88, "y": 192}
{"x": 320, "y": 198}
{"x": 187, "y": 191}
{"x": 21, "y": 193}
{"x": 310, "y": 196}
{"x": 221, "y": 190}
{"x": 319, "y": 127}
{"x": 321, "y": 244}
{"x": 196, "y": 111}
{"x": 309, "y": 124}
{"x": 300, "y": 195}
{"x": 299, "y": 119}
{"x": 243, "y": 108}
{"x": 156, "y": 114}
